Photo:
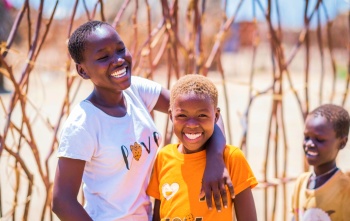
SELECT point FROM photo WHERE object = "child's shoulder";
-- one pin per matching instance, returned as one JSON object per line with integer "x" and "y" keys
{"x": 345, "y": 177}
{"x": 304, "y": 175}
{"x": 167, "y": 149}
{"x": 231, "y": 149}
{"x": 347, "y": 173}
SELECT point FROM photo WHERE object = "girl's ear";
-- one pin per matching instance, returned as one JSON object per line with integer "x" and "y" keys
{"x": 343, "y": 142}
{"x": 81, "y": 71}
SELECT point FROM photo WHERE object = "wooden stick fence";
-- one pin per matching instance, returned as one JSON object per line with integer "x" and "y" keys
{"x": 165, "y": 45}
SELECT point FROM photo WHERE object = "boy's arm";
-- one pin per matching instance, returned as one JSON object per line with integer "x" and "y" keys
{"x": 216, "y": 175}
{"x": 245, "y": 206}
{"x": 156, "y": 215}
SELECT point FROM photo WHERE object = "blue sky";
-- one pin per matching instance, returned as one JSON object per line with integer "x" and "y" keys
{"x": 291, "y": 10}
{"x": 64, "y": 7}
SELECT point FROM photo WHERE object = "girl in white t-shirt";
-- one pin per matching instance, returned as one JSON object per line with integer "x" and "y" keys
{"x": 110, "y": 140}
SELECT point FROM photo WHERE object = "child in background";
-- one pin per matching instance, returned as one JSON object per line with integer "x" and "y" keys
{"x": 177, "y": 171}
{"x": 109, "y": 141}
{"x": 324, "y": 193}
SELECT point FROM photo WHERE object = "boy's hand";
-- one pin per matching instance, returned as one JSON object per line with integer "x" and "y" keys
{"x": 214, "y": 185}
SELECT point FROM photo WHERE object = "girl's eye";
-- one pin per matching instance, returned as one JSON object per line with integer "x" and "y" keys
{"x": 121, "y": 50}
{"x": 102, "y": 58}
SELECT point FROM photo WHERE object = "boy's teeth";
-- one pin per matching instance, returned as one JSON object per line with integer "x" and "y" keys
{"x": 119, "y": 73}
{"x": 311, "y": 153}
{"x": 193, "y": 136}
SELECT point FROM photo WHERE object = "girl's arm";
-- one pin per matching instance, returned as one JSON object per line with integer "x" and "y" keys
{"x": 156, "y": 215}
{"x": 66, "y": 187}
{"x": 245, "y": 206}
{"x": 216, "y": 176}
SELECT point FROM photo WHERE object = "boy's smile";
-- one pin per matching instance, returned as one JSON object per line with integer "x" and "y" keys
{"x": 193, "y": 117}
{"x": 320, "y": 145}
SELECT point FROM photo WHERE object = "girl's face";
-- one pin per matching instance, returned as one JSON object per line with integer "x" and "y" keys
{"x": 320, "y": 143}
{"x": 107, "y": 62}
{"x": 193, "y": 120}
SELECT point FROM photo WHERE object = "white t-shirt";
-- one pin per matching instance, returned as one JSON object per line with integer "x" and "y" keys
{"x": 119, "y": 153}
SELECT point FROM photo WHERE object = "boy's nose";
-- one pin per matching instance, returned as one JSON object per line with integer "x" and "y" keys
{"x": 309, "y": 143}
{"x": 192, "y": 123}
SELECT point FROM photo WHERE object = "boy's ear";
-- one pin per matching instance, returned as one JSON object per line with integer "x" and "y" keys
{"x": 217, "y": 114}
{"x": 81, "y": 71}
{"x": 170, "y": 115}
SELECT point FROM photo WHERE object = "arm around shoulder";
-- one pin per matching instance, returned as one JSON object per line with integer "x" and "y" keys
{"x": 163, "y": 102}
{"x": 216, "y": 175}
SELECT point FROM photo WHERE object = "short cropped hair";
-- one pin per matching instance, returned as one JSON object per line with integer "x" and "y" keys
{"x": 194, "y": 83}
{"x": 335, "y": 114}
{"x": 76, "y": 43}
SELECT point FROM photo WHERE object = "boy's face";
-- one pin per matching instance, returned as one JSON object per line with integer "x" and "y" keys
{"x": 320, "y": 143}
{"x": 107, "y": 62}
{"x": 193, "y": 120}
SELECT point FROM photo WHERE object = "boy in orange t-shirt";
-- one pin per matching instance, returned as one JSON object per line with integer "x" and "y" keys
{"x": 178, "y": 169}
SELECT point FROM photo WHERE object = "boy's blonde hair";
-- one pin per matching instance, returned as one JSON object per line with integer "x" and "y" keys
{"x": 197, "y": 84}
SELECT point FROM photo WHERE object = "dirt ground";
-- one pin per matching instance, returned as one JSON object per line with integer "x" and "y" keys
{"x": 48, "y": 88}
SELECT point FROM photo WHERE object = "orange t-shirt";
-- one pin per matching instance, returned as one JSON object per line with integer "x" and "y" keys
{"x": 176, "y": 182}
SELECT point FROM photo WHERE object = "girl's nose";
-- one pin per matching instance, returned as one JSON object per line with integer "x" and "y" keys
{"x": 118, "y": 61}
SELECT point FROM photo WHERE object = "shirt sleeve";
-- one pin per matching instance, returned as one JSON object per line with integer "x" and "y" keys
{"x": 75, "y": 140}
{"x": 147, "y": 90}
{"x": 153, "y": 187}
{"x": 241, "y": 174}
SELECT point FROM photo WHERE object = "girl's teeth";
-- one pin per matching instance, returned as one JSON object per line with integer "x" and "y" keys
{"x": 193, "y": 136}
{"x": 119, "y": 73}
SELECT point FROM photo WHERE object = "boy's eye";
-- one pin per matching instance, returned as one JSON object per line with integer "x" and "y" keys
{"x": 319, "y": 140}
{"x": 202, "y": 115}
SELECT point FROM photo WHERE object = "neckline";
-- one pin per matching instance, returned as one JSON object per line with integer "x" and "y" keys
{"x": 312, "y": 181}
{"x": 127, "y": 103}
{"x": 197, "y": 155}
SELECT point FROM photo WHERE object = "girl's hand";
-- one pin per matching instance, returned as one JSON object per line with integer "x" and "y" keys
{"x": 215, "y": 179}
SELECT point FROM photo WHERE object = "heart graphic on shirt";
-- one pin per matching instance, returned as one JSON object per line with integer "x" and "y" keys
{"x": 169, "y": 190}
{"x": 136, "y": 150}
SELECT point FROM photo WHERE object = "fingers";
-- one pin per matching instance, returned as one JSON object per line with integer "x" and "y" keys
{"x": 213, "y": 192}
{"x": 223, "y": 194}
{"x": 202, "y": 195}
{"x": 208, "y": 196}
{"x": 230, "y": 188}
{"x": 218, "y": 192}
{"x": 217, "y": 197}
